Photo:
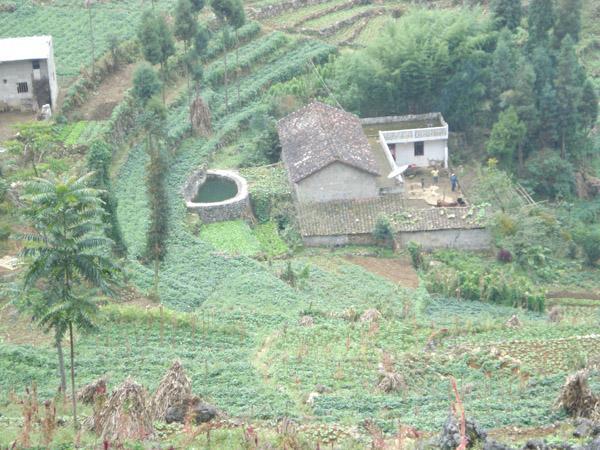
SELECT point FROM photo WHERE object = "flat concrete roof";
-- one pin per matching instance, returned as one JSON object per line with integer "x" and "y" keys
{"x": 25, "y": 48}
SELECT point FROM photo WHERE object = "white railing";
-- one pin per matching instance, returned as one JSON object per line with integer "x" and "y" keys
{"x": 418, "y": 134}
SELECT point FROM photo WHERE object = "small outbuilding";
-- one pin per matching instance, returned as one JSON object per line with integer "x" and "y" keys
{"x": 327, "y": 155}
{"x": 27, "y": 73}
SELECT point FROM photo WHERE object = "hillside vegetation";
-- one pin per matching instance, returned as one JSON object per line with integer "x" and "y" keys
{"x": 298, "y": 347}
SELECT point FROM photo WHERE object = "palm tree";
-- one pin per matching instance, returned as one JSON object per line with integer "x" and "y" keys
{"x": 67, "y": 252}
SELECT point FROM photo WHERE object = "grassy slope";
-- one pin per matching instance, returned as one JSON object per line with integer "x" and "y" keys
{"x": 240, "y": 339}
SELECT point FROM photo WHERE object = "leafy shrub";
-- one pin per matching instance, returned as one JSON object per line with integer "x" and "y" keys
{"x": 415, "y": 251}
{"x": 3, "y": 188}
{"x": 383, "y": 229}
{"x": 549, "y": 175}
{"x": 268, "y": 187}
{"x": 504, "y": 256}
{"x": 5, "y": 231}
{"x": 589, "y": 240}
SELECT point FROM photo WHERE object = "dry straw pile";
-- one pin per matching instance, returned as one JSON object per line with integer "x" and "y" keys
{"x": 578, "y": 399}
{"x": 125, "y": 416}
{"x": 175, "y": 388}
{"x": 90, "y": 391}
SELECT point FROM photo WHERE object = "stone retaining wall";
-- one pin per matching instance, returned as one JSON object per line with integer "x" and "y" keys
{"x": 230, "y": 209}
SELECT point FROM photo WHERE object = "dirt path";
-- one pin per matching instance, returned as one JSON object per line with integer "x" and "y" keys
{"x": 109, "y": 94}
{"x": 399, "y": 271}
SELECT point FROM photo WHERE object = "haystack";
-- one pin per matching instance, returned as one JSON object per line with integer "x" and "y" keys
{"x": 306, "y": 321}
{"x": 513, "y": 322}
{"x": 389, "y": 379}
{"x": 370, "y": 315}
{"x": 578, "y": 399}
{"x": 174, "y": 388}
{"x": 125, "y": 416}
{"x": 90, "y": 391}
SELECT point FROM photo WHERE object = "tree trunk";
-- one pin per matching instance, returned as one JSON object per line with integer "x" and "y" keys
{"x": 73, "y": 393}
{"x": 92, "y": 39}
{"x": 225, "y": 73}
{"x": 237, "y": 68}
{"x": 164, "y": 81}
{"x": 520, "y": 155}
{"x": 156, "y": 271}
{"x": 61, "y": 364}
{"x": 563, "y": 150}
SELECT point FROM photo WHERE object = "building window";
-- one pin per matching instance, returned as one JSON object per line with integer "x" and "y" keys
{"x": 22, "y": 87}
{"x": 36, "y": 64}
{"x": 419, "y": 148}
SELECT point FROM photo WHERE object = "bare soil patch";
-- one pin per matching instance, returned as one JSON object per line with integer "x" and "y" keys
{"x": 574, "y": 294}
{"x": 17, "y": 328}
{"x": 399, "y": 271}
{"x": 9, "y": 119}
{"x": 100, "y": 104}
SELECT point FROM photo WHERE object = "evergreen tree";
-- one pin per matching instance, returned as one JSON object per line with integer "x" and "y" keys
{"x": 540, "y": 19}
{"x": 507, "y": 13}
{"x": 504, "y": 65}
{"x": 506, "y": 137}
{"x": 522, "y": 99}
{"x": 547, "y": 107}
{"x": 99, "y": 158}
{"x": 149, "y": 38}
{"x": 588, "y": 108}
{"x": 145, "y": 83}
{"x": 221, "y": 9}
{"x": 185, "y": 22}
{"x": 157, "y": 42}
{"x": 197, "y": 5}
{"x": 154, "y": 118}
{"x": 236, "y": 19}
{"x": 543, "y": 65}
{"x": 568, "y": 84}
{"x": 568, "y": 21}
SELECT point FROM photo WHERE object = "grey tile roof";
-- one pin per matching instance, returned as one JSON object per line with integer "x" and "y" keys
{"x": 360, "y": 216}
{"x": 318, "y": 135}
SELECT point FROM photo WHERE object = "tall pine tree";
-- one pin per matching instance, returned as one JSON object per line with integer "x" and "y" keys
{"x": 568, "y": 84}
{"x": 568, "y": 21}
{"x": 540, "y": 19}
{"x": 507, "y": 13}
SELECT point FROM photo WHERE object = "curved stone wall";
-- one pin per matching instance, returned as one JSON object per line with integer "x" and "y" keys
{"x": 230, "y": 209}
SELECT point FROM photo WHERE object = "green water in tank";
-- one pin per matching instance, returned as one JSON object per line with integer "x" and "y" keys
{"x": 216, "y": 189}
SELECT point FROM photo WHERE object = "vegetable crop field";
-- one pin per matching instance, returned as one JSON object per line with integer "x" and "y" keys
{"x": 298, "y": 346}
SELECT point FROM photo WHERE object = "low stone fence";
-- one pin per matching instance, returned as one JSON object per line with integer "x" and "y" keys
{"x": 230, "y": 209}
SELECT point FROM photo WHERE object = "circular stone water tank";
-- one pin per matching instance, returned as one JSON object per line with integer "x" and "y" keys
{"x": 217, "y": 195}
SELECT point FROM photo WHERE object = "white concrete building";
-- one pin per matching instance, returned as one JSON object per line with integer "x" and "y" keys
{"x": 27, "y": 73}
{"x": 420, "y": 139}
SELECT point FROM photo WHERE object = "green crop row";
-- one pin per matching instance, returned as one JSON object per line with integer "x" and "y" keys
{"x": 68, "y": 24}
{"x": 249, "y": 54}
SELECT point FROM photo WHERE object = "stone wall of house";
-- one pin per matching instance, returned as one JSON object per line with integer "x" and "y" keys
{"x": 336, "y": 181}
{"x": 473, "y": 239}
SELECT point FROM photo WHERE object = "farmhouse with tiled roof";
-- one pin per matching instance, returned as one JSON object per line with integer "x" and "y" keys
{"x": 327, "y": 155}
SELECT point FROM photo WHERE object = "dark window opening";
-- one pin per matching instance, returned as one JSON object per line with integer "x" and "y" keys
{"x": 22, "y": 88}
{"x": 36, "y": 64}
{"x": 419, "y": 148}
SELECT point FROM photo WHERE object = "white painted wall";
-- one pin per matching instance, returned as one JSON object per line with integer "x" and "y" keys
{"x": 14, "y": 72}
{"x": 434, "y": 151}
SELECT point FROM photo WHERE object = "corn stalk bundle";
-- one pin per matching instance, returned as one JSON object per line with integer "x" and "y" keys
{"x": 90, "y": 391}
{"x": 125, "y": 416}
{"x": 389, "y": 379}
{"x": 370, "y": 315}
{"x": 200, "y": 117}
{"x": 577, "y": 398}
{"x": 174, "y": 388}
